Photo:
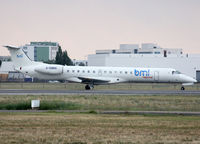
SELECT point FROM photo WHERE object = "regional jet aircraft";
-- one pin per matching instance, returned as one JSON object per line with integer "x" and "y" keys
{"x": 95, "y": 75}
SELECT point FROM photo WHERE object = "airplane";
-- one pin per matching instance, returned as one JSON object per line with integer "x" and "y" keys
{"x": 91, "y": 75}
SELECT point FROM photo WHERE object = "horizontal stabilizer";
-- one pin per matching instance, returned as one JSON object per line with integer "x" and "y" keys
{"x": 12, "y": 47}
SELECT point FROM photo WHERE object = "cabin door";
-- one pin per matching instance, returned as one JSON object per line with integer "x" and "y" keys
{"x": 156, "y": 76}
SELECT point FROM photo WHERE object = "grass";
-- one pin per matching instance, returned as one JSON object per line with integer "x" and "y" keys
{"x": 59, "y": 105}
{"x": 53, "y": 127}
{"x": 75, "y": 86}
{"x": 104, "y": 102}
{"x": 15, "y": 106}
{"x": 93, "y": 128}
{"x": 44, "y": 105}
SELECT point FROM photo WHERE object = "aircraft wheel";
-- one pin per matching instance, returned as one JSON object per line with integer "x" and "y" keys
{"x": 182, "y": 88}
{"x": 88, "y": 87}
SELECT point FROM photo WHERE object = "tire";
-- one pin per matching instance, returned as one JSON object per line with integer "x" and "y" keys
{"x": 87, "y": 87}
{"x": 182, "y": 88}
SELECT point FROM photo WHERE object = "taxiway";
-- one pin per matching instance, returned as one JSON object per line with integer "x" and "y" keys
{"x": 95, "y": 92}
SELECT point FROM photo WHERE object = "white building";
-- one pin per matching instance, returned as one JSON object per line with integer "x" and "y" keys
{"x": 149, "y": 55}
{"x": 41, "y": 51}
{"x": 6, "y": 66}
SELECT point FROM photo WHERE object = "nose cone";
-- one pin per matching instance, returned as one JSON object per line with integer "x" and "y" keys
{"x": 188, "y": 79}
{"x": 194, "y": 80}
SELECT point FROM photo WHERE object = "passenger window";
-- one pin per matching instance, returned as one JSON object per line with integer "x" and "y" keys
{"x": 120, "y": 72}
{"x": 83, "y": 71}
{"x": 131, "y": 72}
{"x": 110, "y": 72}
{"x": 78, "y": 71}
{"x": 88, "y": 71}
{"x": 67, "y": 70}
{"x": 126, "y": 72}
{"x": 105, "y": 71}
{"x": 73, "y": 71}
{"x": 93, "y": 71}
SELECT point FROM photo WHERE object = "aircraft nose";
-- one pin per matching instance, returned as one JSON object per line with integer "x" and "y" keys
{"x": 194, "y": 80}
{"x": 189, "y": 79}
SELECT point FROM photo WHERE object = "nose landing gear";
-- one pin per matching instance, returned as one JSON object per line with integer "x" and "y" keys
{"x": 182, "y": 88}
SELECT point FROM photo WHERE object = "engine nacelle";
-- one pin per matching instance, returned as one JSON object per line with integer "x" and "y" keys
{"x": 50, "y": 69}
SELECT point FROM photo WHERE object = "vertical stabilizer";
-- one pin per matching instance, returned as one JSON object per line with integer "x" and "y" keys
{"x": 18, "y": 57}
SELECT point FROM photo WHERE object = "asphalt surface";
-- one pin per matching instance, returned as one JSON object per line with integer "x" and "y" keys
{"x": 93, "y": 92}
{"x": 183, "y": 113}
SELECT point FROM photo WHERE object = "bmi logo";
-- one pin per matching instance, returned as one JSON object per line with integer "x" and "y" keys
{"x": 20, "y": 56}
{"x": 145, "y": 73}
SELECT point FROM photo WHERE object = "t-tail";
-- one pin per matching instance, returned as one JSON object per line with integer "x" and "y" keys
{"x": 18, "y": 57}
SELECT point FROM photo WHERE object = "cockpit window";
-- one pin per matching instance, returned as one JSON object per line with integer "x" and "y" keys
{"x": 176, "y": 72}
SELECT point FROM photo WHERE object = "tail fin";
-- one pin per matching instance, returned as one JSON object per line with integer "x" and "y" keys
{"x": 18, "y": 57}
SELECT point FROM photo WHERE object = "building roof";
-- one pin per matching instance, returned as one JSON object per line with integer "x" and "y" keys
{"x": 44, "y": 43}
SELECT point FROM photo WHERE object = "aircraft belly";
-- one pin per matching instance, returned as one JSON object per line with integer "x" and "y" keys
{"x": 48, "y": 77}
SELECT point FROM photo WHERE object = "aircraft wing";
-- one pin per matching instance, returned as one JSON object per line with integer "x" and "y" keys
{"x": 100, "y": 80}
{"x": 94, "y": 80}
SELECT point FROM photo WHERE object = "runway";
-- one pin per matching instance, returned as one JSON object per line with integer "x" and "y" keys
{"x": 95, "y": 92}
{"x": 183, "y": 113}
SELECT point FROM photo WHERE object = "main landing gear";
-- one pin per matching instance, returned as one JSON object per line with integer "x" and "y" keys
{"x": 89, "y": 87}
{"x": 182, "y": 88}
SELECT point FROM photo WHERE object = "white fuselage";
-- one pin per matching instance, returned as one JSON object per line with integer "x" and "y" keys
{"x": 109, "y": 74}
{"x": 94, "y": 75}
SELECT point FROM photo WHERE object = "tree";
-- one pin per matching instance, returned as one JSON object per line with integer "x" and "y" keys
{"x": 0, "y": 63}
{"x": 59, "y": 55}
{"x": 81, "y": 64}
{"x": 62, "y": 57}
{"x": 66, "y": 59}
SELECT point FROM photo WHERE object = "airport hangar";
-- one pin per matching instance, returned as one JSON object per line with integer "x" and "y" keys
{"x": 148, "y": 55}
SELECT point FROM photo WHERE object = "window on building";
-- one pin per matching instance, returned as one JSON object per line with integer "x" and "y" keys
{"x": 165, "y": 53}
{"x": 145, "y": 52}
{"x": 135, "y": 51}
